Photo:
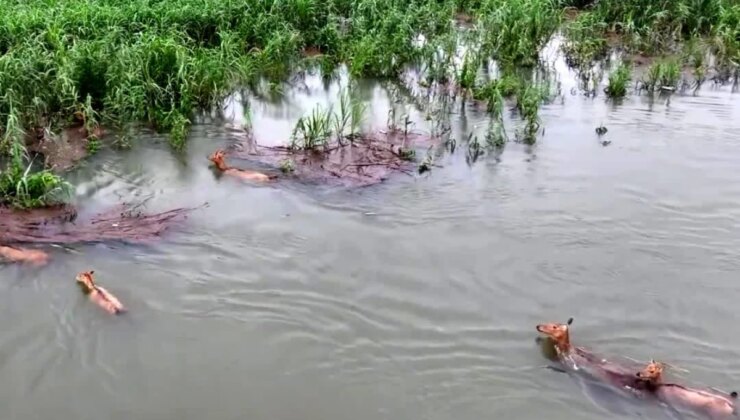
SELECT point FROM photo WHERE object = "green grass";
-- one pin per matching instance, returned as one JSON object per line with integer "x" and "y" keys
{"x": 664, "y": 74}
{"x": 514, "y": 31}
{"x": 653, "y": 27}
{"x": 528, "y": 102}
{"x": 157, "y": 62}
{"x": 618, "y": 81}
{"x": 312, "y": 131}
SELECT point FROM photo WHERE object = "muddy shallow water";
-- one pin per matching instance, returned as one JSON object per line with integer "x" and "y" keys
{"x": 413, "y": 299}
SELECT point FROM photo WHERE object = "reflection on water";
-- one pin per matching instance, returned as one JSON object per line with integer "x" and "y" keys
{"x": 416, "y": 298}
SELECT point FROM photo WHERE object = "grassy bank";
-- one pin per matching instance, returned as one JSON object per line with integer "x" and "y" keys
{"x": 111, "y": 62}
{"x": 656, "y": 28}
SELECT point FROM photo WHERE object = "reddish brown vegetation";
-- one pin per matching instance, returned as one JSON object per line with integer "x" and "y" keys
{"x": 359, "y": 161}
{"x": 61, "y": 225}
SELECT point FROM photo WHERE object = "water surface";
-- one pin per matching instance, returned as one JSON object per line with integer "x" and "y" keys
{"x": 413, "y": 299}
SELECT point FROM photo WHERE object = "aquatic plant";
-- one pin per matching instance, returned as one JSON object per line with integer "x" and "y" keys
{"x": 21, "y": 187}
{"x": 618, "y": 81}
{"x": 93, "y": 144}
{"x": 496, "y": 136}
{"x": 356, "y": 116}
{"x": 351, "y": 114}
{"x": 468, "y": 71}
{"x": 157, "y": 62}
{"x": 694, "y": 56}
{"x": 342, "y": 118}
{"x": 663, "y": 75}
{"x": 312, "y": 131}
{"x": 528, "y": 102}
{"x": 287, "y": 166}
{"x": 495, "y": 91}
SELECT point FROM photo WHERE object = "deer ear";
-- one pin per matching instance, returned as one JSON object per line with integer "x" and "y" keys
{"x": 570, "y": 320}
{"x": 733, "y": 394}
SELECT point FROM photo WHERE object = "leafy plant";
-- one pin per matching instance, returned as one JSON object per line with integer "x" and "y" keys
{"x": 312, "y": 131}
{"x": 618, "y": 81}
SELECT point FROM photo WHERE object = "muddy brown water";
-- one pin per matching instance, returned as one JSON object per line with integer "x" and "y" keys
{"x": 413, "y": 299}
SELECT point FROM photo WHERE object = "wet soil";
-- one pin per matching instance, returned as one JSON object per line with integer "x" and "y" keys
{"x": 64, "y": 150}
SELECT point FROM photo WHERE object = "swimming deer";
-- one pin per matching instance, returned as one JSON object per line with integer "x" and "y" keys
{"x": 98, "y": 294}
{"x": 580, "y": 359}
{"x": 24, "y": 255}
{"x": 711, "y": 404}
{"x": 218, "y": 160}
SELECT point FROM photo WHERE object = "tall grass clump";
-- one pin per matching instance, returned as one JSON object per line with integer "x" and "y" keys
{"x": 585, "y": 42}
{"x": 653, "y": 27}
{"x": 618, "y": 81}
{"x": 312, "y": 131}
{"x": 514, "y": 31}
{"x": 662, "y": 75}
{"x": 528, "y": 102}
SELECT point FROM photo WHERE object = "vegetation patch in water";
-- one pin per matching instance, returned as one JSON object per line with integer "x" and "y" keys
{"x": 618, "y": 81}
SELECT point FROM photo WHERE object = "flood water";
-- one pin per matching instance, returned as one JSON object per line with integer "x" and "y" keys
{"x": 413, "y": 299}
